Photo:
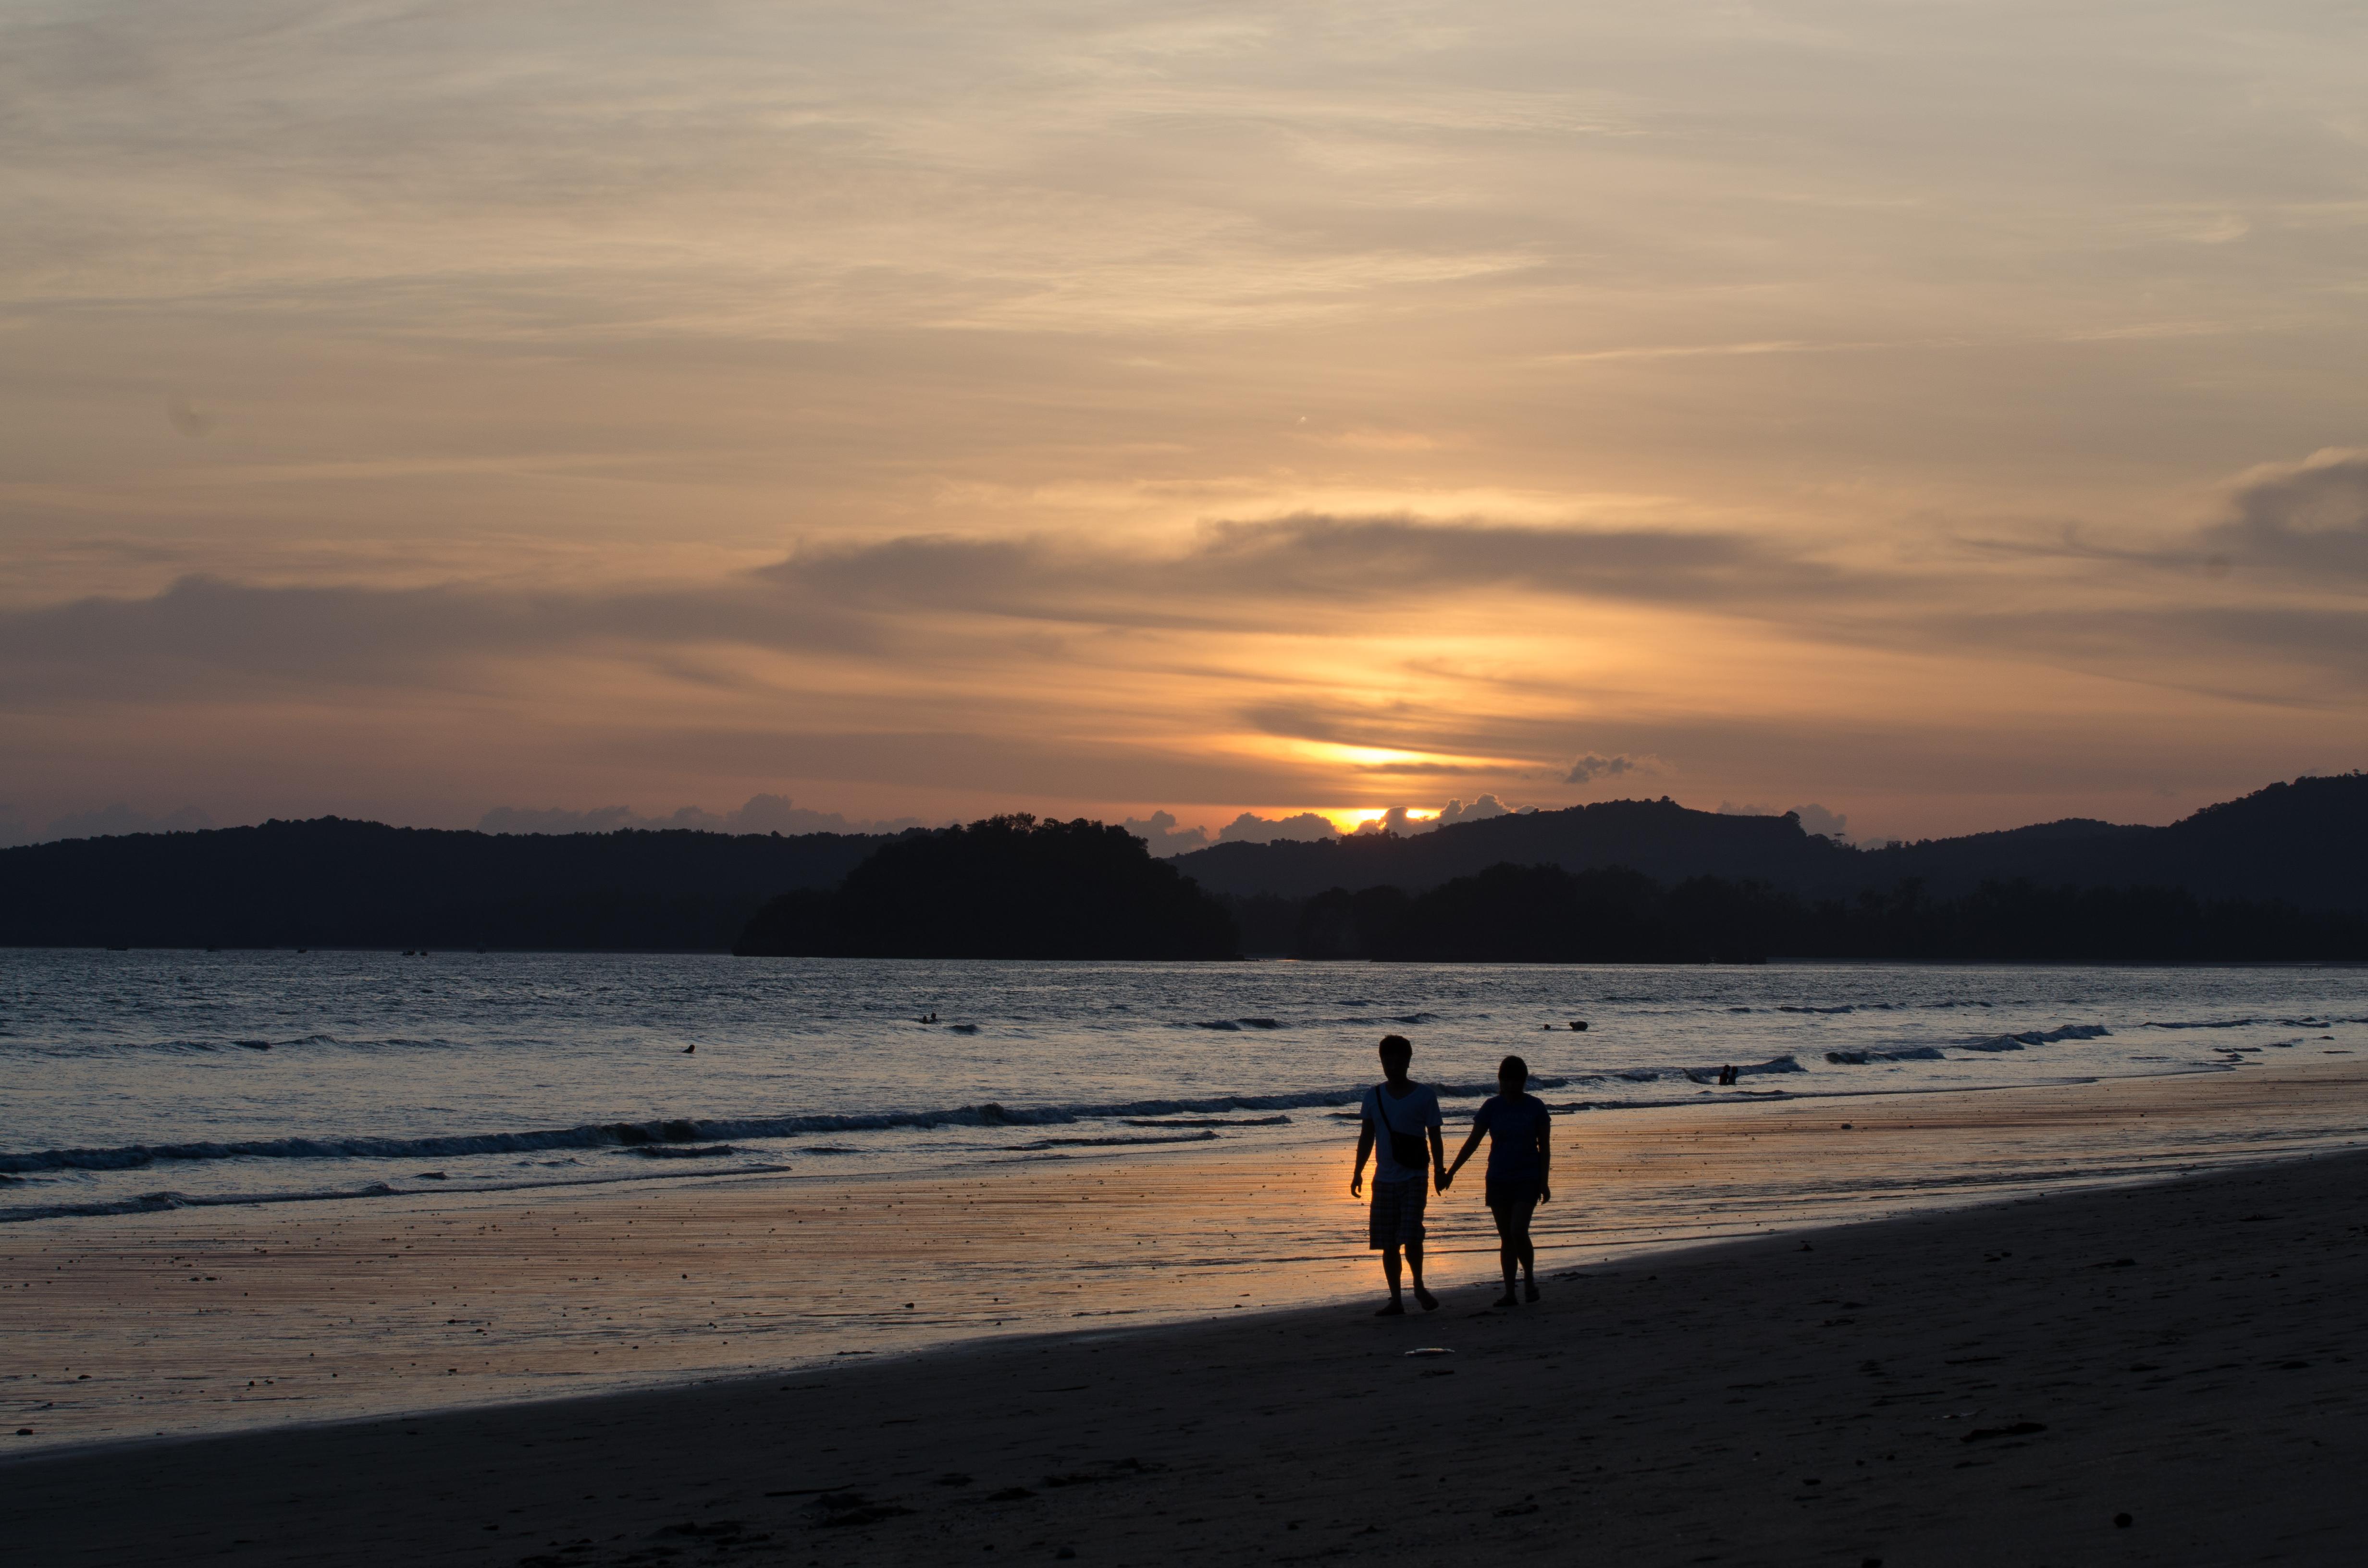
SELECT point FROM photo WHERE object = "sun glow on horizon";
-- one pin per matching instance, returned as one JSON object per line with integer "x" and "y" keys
{"x": 1353, "y": 818}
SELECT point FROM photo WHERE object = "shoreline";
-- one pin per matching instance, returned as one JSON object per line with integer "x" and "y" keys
{"x": 1993, "y": 1382}
{"x": 220, "y": 1320}
{"x": 918, "y": 1165}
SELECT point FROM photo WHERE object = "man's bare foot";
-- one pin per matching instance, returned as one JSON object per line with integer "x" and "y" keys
{"x": 1529, "y": 1291}
{"x": 1430, "y": 1302}
{"x": 1396, "y": 1309}
{"x": 1507, "y": 1300}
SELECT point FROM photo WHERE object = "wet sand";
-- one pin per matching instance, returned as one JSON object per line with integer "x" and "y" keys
{"x": 217, "y": 1319}
{"x": 1993, "y": 1385}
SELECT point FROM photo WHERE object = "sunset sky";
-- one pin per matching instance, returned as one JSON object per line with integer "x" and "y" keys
{"x": 1953, "y": 415}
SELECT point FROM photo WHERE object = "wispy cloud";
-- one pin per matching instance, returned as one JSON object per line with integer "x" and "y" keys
{"x": 2310, "y": 517}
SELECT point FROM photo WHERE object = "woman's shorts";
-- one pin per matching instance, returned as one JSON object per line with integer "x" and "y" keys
{"x": 1512, "y": 1203}
{"x": 1396, "y": 1215}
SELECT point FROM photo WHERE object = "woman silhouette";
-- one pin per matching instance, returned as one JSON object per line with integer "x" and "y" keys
{"x": 1520, "y": 1166}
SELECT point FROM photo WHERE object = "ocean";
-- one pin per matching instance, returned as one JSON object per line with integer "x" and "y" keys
{"x": 153, "y": 1080}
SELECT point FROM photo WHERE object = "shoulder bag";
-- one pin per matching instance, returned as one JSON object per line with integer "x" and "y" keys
{"x": 1405, "y": 1148}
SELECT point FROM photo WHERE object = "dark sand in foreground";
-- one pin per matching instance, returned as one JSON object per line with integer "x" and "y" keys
{"x": 1991, "y": 1386}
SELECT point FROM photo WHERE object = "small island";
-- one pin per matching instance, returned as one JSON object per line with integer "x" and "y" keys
{"x": 1007, "y": 886}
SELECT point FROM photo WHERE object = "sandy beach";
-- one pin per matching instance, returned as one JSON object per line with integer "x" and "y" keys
{"x": 1996, "y": 1384}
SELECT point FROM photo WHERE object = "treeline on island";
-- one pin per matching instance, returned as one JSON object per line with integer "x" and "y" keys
{"x": 1008, "y": 887}
{"x": 1543, "y": 914}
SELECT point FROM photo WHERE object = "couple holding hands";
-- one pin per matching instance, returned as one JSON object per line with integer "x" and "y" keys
{"x": 1401, "y": 1133}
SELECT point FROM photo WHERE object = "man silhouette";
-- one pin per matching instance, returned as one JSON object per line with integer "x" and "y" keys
{"x": 1400, "y": 1129}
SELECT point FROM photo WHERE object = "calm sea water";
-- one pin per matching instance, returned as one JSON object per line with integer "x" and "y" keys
{"x": 151, "y": 1079}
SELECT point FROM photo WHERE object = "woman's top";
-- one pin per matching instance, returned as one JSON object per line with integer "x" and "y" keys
{"x": 1515, "y": 1125}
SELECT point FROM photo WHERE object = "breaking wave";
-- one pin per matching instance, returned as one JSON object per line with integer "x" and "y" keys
{"x": 162, "y": 1202}
{"x": 654, "y": 1135}
{"x": 2247, "y": 1023}
{"x": 2038, "y": 1037}
{"x": 176, "y": 1046}
{"x": 1861, "y": 1058}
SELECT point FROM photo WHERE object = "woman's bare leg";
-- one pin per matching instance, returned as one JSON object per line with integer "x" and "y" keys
{"x": 1507, "y": 1250}
{"x": 1524, "y": 1251}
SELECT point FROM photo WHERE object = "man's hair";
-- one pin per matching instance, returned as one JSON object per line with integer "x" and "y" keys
{"x": 1517, "y": 1067}
{"x": 1397, "y": 1045}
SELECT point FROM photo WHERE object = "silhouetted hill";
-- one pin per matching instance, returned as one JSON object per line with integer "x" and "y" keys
{"x": 1659, "y": 838}
{"x": 2304, "y": 844}
{"x": 1544, "y": 915}
{"x": 1008, "y": 887}
{"x": 333, "y": 883}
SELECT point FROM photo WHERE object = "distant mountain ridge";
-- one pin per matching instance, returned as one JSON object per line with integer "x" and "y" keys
{"x": 332, "y": 882}
{"x": 1662, "y": 839}
{"x": 2304, "y": 843}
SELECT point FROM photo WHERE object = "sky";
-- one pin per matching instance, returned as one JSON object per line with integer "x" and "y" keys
{"x": 1945, "y": 415}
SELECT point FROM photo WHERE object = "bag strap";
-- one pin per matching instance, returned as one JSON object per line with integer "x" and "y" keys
{"x": 1389, "y": 1129}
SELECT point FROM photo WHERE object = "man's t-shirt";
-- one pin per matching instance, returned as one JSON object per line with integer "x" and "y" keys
{"x": 1410, "y": 1115}
{"x": 1513, "y": 1125}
